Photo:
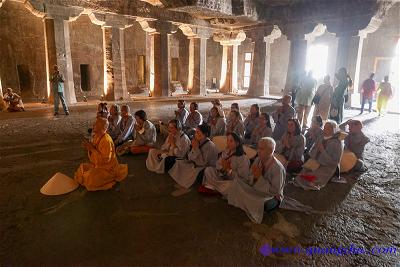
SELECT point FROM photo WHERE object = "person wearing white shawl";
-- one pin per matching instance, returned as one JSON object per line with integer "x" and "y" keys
{"x": 324, "y": 159}
{"x": 263, "y": 190}
{"x": 203, "y": 154}
{"x": 176, "y": 145}
{"x": 216, "y": 122}
{"x": 232, "y": 164}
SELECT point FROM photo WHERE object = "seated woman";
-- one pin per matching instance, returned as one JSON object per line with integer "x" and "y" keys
{"x": 13, "y": 100}
{"x": 126, "y": 131}
{"x": 324, "y": 159}
{"x": 216, "y": 123}
{"x": 355, "y": 143}
{"x": 145, "y": 134}
{"x": 114, "y": 120}
{"x": 235, "y": 106}
{"x": 235, "y": 125}
{"x": 193, "y": 120}
{"x": 264, "y": 129}
{"x": 181, "y": 115}
{"x": 203, "y": 154}
{"x": 251, "y": 122}
{"x": 103, "y": 171}
{"x": 313, "y": 133}
{"x": 216, "y": 104}
{"x": 263, "y": 190}
{"x": 232, "y": 164}
{"x": 291, "y": 147}
{"x": 176, "y": 145}
{"x": 281, "y": 117}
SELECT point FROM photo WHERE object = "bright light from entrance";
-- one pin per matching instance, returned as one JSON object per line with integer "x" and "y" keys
{"x": 317, "y": 60}
{"x": 394, "y": 79}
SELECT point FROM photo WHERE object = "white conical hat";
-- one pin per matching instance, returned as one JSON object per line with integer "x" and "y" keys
{"x": 59, "y": 184}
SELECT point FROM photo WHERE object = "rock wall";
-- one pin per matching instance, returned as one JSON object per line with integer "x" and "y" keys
{"x": 214, "y": 62}
{"x": 87, "y": 48}
{"x": 22, "y": 47}
{"x": 279, "y": 65}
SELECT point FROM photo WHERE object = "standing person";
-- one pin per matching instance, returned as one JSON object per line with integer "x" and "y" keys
{"x": 57, "y": 84}
{"x": 337, "y": 102}
{"x": 322, "y": 98}
{"x": 384, "y": 92}
{"x": 304, "y": 98}
{"x": 367, "y": 91}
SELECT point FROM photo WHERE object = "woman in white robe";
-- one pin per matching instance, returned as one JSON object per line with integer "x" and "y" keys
{"x": 232, "y": 164}
{"x": 313, "y": 134}
{"x": 323, "y": 96}
{"x": 263, "y": 191}
{"x": 203, "y": 154}
{"x": 291, "y": 146}
{"x": 281, "y": 117}
{"x": 114, "y": 119}
{"x": 145, "y": 134}
{"x": 235, "y": 125}
{"x": 126, "y": 131}
{"x": 251, "y": 121}
{"x": 263, "y": 130}
{"x": 176, "y": 145}
{"x": 217, "y": 123}
{"x": 193, "y": 120}
{"x": 324, "y": 159}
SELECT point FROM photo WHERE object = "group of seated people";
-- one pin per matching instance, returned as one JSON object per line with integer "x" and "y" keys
{"x": 250, "y": 166}
{"x": 11, "y": 101}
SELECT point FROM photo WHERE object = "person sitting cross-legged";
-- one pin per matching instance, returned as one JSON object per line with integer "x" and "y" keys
{"x": 13, "y": 100}
{"x": 145, "y": 134}
{"x": 176, "y": 146}
{"x": 103, "y": 171}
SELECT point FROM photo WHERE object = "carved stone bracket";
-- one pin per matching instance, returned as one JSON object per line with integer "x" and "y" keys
{"x": 230, "y": 38}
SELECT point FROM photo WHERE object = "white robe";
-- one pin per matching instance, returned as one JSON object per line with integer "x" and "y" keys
{"x": 216, "y": 179}
{"x": 251, "y": 197}
{"x": 185, "y": 172}
{"x": 156, "y": 164}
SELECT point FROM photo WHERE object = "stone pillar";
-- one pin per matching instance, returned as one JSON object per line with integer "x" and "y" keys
{"x": 297, "y": 61}
{"x": 224, "y": 68}
{"x": 161, "y": 61}
{"x": 235, "y": 49}
{"x": 62, "y": 52}
{"x": 51, "y": 57}
{"x": 259, "y": 72}
{"x": 114, "y": 64}
{"x": 349, "y": 56}
{"x": 197, "y": 66}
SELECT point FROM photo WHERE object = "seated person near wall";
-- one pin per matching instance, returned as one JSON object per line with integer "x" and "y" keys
{"x": 235, "y": 106}
{"x": 145, "y": 134}
{"x": 281, "y": 117}
{"x": 313, "y": 134}
{"x": 217, "y": 123}
{"x": 193, "y": 120}
{"x": 114, "y": 120}
{"x": 251, "y": 122}
{"x": 355, "y": 143}
{"x": 181, "y": 115}
{"x": 290, "y": 148}
{"x": 13, "y": 100}
{"x": 216, "y": 104}
{"x": 126, "y": 131}
{"x": 203, "y": 154}
{"x": 232, "y": 164}
{"x": 264, "y": 129}
{"x": 324, "y": 159}
{"x": 235, "y": 125}
{"x": 263, "y": 190}
{"x": 103, "y": 171}
{"x": 176, "y": 146}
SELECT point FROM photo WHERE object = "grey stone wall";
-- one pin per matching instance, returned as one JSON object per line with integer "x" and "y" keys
{"x": 22, "y": 43}
{"x": 279, "y": 65}
{"x": 87, "y": 48}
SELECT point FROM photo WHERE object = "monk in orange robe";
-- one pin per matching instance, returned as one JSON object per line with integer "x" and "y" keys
{"x": 103, "y": 171}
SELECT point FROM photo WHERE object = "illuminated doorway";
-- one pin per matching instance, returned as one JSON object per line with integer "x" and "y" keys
{"x": 317, "y": 61}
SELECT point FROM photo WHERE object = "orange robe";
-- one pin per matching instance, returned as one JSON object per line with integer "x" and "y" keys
{"x": 103, "y": 171}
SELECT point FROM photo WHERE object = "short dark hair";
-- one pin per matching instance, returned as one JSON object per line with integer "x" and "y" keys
{"x": 238, "y": 139}
{"x": 141, "y": 114}
{"x": 181, "y": 101}
{"x": 205, "y": 129}
{"x": 235, "y": 105}
{"x": 176, "y": 123}
{"x": 257, "y": 107}
{"x": 195, "y": 105}
{"x": 318, "y": 119}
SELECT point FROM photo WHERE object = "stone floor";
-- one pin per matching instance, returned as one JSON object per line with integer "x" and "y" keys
{"x": 144, "y": 225}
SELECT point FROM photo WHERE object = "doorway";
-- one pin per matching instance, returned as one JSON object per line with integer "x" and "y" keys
{"x": 85, "y": 77}
{"x": 317, "y": 61}
{"x": 174, "y": 69}
{"x": 25, "y": 81}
